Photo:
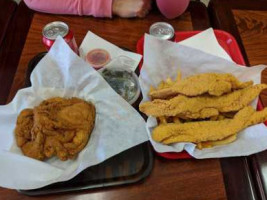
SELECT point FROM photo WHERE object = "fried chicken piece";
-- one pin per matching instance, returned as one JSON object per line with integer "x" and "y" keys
{"x": 78, "y": 143}
{"x": 58, "y": 113}
{"x": 78, "y": 115}
{"x": 197, "y": 132}
{"x": 62, "y": 120}
{"x": 67, "y": 125}
{"x": 53, "y": 147}
{"x": 214, "y": 84}
{"x": 81, "y": 118}
{"x": 34, "y": 148}
{"x": 57, "y": 127}
{"x": 23, "y": 127}
{"x": 31, "y": 143}
{"x": 45, "y": 115}
{"x": 203, "y": 106}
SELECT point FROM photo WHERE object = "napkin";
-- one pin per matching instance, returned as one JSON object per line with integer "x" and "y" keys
{"x": 206, "y": 41}
{"x": 62, "y": 73}
{"x": 162, "y": 59}
{"x": 92, "y": 41}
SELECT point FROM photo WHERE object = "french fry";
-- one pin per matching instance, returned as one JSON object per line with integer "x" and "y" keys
{"x": 229, "y": 115}
{"x": 217, "y": 118}
{"x": 214, "y": 118}
{"x": 179, "y": 76}
{"x": 169, "y": 82}
{"x": 176, "y": 120}
{"x": 162, "y": 120}
{"x": 220, "y": 117}
{"x": 161, "y": 85}
{"x": 151, "y": 89}
{"x": 210, "y": 144}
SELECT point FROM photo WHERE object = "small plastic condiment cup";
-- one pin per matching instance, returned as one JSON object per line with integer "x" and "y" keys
{"x": 134, "y": 99}
{"x": 98, "y": 58}
{"x": 137, "y": 94}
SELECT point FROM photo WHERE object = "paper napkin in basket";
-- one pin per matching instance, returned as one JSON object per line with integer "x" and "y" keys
{"x": 62, "y": 73}
{"x": 206, "y": 41}
{"x": 92, "y": 41}
{"x": 162, "y": 59}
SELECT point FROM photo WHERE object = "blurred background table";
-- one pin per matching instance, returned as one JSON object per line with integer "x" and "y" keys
{"x": 15, "y": 21}
{"x": 246, "y": 20}
{"x": 209, "y": 179}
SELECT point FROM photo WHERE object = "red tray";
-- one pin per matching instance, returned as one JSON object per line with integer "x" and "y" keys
{"x": 227, "y": 42}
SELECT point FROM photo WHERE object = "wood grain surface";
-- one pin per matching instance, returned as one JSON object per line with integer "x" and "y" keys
{"x": 252, "y": 26}
{"x": 247, "y": 21}
{"x": 11, "y": 47}
{"x": 7, "y": 9}
{"x": 170, "y": 179}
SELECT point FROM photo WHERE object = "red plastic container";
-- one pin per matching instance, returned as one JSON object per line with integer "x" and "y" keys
{"x": 227, "y": 42}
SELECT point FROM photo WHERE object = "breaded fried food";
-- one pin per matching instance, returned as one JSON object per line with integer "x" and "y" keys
{"x": 59, "y": 113}
{"x": 31, "y": 143}
{"x": 57, "y": 127}
{"x": 34, "y": 148}
{"x": 168, "y": 82}
{"x": 24, "y": 127}
{"x": 214, "y": 84}
{"x": 196, "y": 132}
{"x": 210, "y": 144}
{"x": 202, "y": 107}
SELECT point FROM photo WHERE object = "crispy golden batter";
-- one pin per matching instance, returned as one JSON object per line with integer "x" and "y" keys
{"x": 30, "y": 143}
{"x": 24, "y": 126}
{"x": 211, "y": 83}
{"x": 208, "y": 130}
{"x": 57, "y": 127}
{"x": 210, "y": 144}
{"x": 203, "y": 106}
{"x": 34, "y": 148}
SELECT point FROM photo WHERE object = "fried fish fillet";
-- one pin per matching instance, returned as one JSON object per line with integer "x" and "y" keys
{"x": 203, "y": 106}
{"x": 196, "y": 132}
{"x": 210, "y": 144}
{"x": 57, "y": 127}
{"x": 214, "y": 84}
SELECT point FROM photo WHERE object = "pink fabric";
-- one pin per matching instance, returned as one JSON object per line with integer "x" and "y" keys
{"x": 97, "y": 8}
{"x": 100, "y": 8}
{"x": 172, "y": 8}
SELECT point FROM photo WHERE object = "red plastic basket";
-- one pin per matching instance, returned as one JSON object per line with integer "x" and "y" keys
{"x": 227, "y": 42}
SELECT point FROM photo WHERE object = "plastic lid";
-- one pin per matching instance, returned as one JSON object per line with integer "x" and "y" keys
{"x": 117, "y": 79}
{"x": 98, "y": 58}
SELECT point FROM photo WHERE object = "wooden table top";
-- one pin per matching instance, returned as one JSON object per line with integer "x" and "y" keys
{"x": 7, "y": 9}
{"x": 12, "y": 45}
{"x": 246, "y": 20}
{"x": 170, "y": 179}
